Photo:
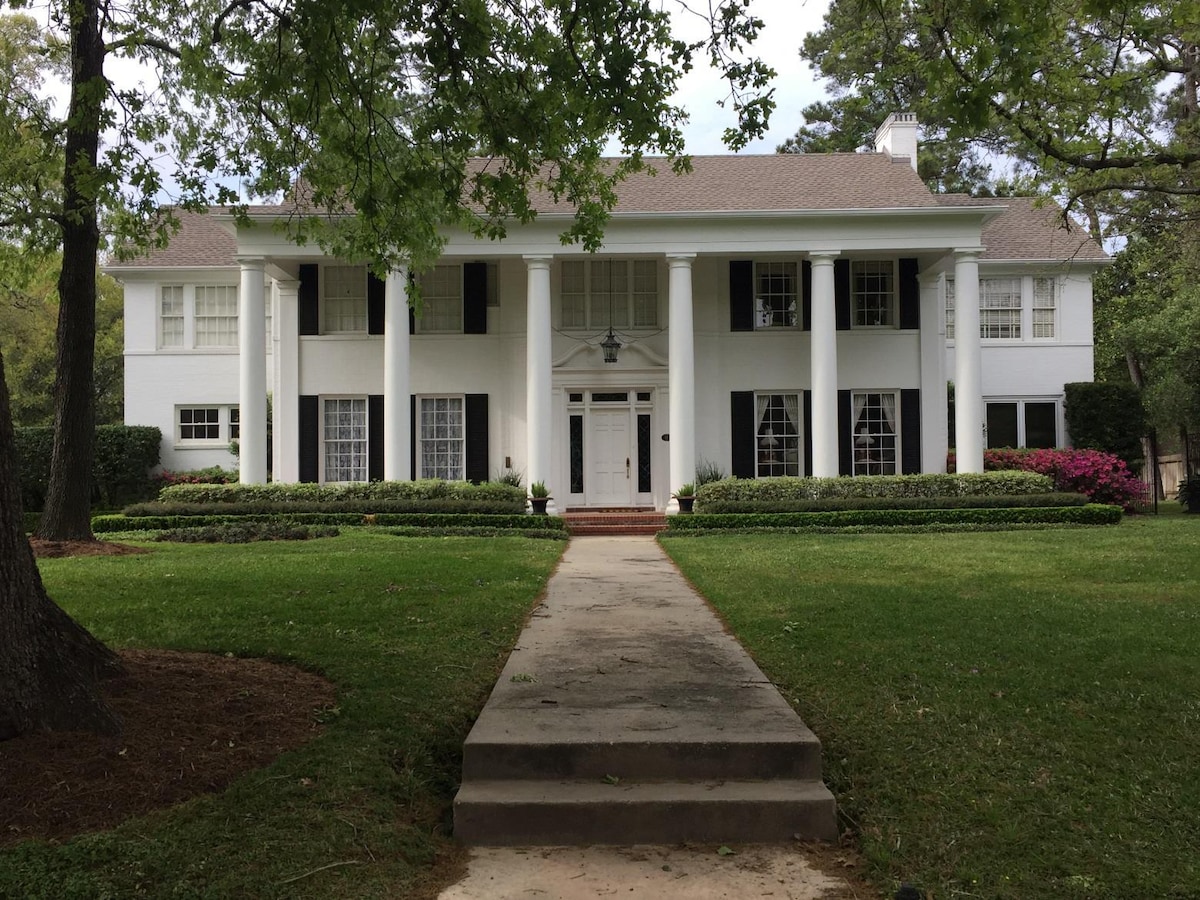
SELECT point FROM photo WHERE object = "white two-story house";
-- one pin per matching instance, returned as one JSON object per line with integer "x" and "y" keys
{"x": 774, "y": 315}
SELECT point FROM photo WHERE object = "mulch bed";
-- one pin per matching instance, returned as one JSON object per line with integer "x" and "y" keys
{"x": 193, "y": 722}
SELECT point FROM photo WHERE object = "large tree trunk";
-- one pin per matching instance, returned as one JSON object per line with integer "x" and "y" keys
{"x": 49, "y": 665}
{"x": 67, "y": 514}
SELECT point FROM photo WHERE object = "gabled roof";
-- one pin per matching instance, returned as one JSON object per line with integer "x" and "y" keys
{"x": 1032, "y": 228}
{"x": 779, "y": 183}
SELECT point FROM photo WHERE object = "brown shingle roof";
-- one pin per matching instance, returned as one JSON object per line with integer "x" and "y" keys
{"x": 1030, "y": 231}
{"x": 200, "y": 242}
{"x": 721, "y": 184}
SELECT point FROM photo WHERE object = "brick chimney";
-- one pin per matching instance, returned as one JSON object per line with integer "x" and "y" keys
{"x": 897, "y": 137}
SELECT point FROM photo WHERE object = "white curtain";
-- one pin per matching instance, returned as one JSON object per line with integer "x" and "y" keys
{"x": 791, "y": 405}
{"x": 888, "y": 402}
{"x": 761, "y": 403}
{"x": 860, "y": 403}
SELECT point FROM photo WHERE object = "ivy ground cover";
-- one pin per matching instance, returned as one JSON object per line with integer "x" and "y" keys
{"x": 1004, "y": 715}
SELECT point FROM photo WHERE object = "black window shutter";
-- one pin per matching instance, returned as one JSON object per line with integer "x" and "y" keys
{"x": 310, "y": 438}
{"x": 375, "y": 437}
{"x": 375, "y": 295}
{"x": 910, "y": 294}
{"x": 412, "y": 433}
{"x": 475, "y": 299}
{"x": 808, "y": 433}
{"x": 306, "y": 297}
{"x": 741, "y": 429}
{"x": 741, "y": 295}
{"x": 476, "y": 431}
{"x": 806, "y": 303}
{"x": 841, "y": 293}
{"x": 910, "y": 431}
{"x": 845, "y": 434}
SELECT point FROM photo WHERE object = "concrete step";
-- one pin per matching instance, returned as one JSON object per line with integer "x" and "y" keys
{"x": 513, "y": 813}
{"x": 654, "y": 745}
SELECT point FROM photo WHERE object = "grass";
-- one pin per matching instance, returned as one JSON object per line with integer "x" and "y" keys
{"x": 411, "y": 631}
{"x": 1004, "y": 715}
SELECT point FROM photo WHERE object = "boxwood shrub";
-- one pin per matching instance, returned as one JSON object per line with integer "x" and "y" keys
{"x": 1089, "y": 514}
{"x": 500, "y": 498}
{"x": 842, "y": 503}
{"x": 246, "y": 533}
{"x": 108, "y": 524}
{"x": 272, "y": 507}
{"x": 932, "y": 485}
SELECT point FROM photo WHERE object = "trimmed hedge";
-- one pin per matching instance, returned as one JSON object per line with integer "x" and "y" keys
{"x": 469, "y": 507}
{"x": 932, "y": 485}
{"x": 124, "y": 456}
{"x": 499, "y": 498}
{"x": 246, "y": 534}
{"x": 1106, "y": 416}
{"x": 107, "y": 524}
{"x": 538, "y": 533}
{"x": 1001, "y": 501}
{"x": 1090, "y": 514}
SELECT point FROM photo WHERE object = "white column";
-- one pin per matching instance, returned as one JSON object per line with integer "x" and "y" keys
{"x": 538, "y": 407}
{"x": 252, "y": 373}
{"x": 968, "y": 383}
{"x": 681, "y": 377}
{"x": 823, "y": 361}
{"x": 285, "y": 408}
{"x": 397, "y": 440}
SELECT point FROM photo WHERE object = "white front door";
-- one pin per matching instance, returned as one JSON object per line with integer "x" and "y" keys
{"x": 611, "y": 481}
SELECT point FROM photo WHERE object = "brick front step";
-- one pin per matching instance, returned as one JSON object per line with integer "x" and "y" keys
{"x": 614, "y": 522}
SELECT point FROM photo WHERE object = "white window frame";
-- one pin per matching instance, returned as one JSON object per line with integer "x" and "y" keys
{"x": 441, "y": 300}
{"x": 584, "y": 285}
{"x": 1022, "y": 431}
{"x": 224, "y": 420}
{"x": 363, "y": 439}
{"x": 777, "y": 294}
{"x": 999, "y": 316}
{"x": 347, "y": 313}
{"x": 778, "y": 455}
{"x": 1044, "y": 327}
{"x": 215, "y": 330}
{"x": 454, "y": 404}
{"x": 178, "y": 315}
{"x": 885, "y": 313}
{"x": 868, "y": 438}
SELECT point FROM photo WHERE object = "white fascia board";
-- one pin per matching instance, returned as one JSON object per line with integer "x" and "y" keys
{"x": 128, "y": 274}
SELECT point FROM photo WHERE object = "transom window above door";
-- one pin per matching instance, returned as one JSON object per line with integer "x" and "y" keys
{"x": 603, "y": 293}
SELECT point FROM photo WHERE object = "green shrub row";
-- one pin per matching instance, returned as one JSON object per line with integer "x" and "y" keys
{"x": 843, "y": 503}
{"x": 490, "y": 492}
{"x": 482, "y": 506}
{"x": 107, "y": 524}
{"x": 246, "y": 534}
{"x": 124, "y": 456}
{"x": 931, "y": 485}
{"x": 553, "y": 534}
{"x": 1090, "y": 514}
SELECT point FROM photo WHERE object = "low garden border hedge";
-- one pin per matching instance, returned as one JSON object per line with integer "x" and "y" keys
{"x": 503, "y": 495}
{"x": 108, "y": 524}
{"x": 447, "y": 505}
{"x": 1090, "y": 514}
{"x": 980, "y": 501}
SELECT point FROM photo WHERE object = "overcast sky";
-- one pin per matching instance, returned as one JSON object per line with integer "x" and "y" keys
{"x": 787, "y": 22}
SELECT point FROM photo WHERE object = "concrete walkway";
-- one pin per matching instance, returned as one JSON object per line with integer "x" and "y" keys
{"x": 628, "y": 714}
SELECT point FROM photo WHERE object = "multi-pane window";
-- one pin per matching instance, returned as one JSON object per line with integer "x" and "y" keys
{"x": 442, "y": 300}
{"x": 950, "y": 309}
{"x": 442, "y": 438}
{"x": 776, "y": 294}
{"x": 235, "y": 423}
{"x": 872, "y": 290}
{"x": 599, "y": 293}
{"x": 874, "y": 437}
{"x": 777, "y": 435}
{"x": 345, "y": 301}
{"x": 1000, "y": 308}
{"x": 170, "y": 316}
{"x": 199, "y": 423}
{"x": 1045, "y": 307}
{"x": 1022, "y": 423}
{"x": 216, "y": 315}
{"x": 345, "y": 439}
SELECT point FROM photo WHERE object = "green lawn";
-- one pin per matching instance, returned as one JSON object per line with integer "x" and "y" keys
{"x": 411, "y": 631}
{"x": 1004, "y": 715}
